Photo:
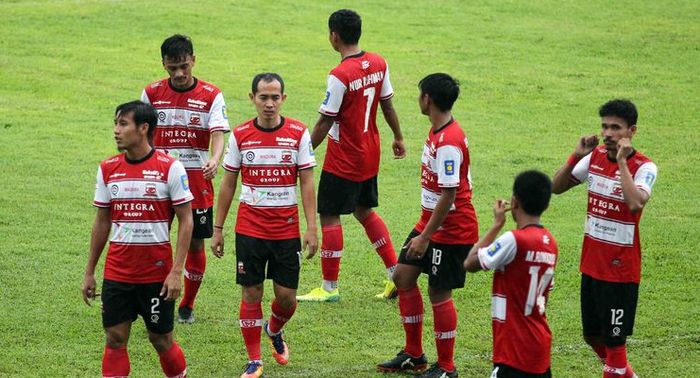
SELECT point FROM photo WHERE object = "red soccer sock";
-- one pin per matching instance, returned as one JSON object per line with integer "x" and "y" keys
{"x": 251, "y": 324}
{"x": 195, "y": 265}
{"x": 173, "y": 362}
{"x": 331, "y": 251}
{"x": 411, "y": 309}
{"x": 616, "y": 362}
{"x": 445, "y": 318}
{"x": 280, "y": 316}
{"x": 378, "y": 235}
{"x": 115, "y": 362}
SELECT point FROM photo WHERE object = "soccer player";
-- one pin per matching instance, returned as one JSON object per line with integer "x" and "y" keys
{"x": 349, "y": 178}
{"x": 191, "y": 123}
{"x": 523, "y": 262}
{"x": 619, "y": 180}
{"x": 137, "y": 194}
{"x": 443, "y": 236}
{"x": 269, "y": 152}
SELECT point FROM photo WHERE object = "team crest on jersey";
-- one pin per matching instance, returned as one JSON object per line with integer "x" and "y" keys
{"x": 365, "y": 64}
{"x": 150, "y": 190}
{"x": 494, "y": 248}
{"x": 286, "y": 157}
{"x": 185, "y": 182}
{"x": 449, "y": 167}
{"x": 195, "y": 120}
{"x": 616, "y": 190}
{"x": 545, "y": 240}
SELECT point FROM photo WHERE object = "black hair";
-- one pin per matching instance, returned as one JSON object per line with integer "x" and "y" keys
{"x": 143, "y": 113}
{"x": 347, "y": 24}
{"x": 622, "y": 108}
{"x": 267, "y": 77}
{"x": 533, "y": 189}
{"x": 442, "y": 88}
{"x": 177, "y": 47}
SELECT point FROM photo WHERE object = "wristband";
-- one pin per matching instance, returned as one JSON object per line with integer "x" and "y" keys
{"x": 219, "y": 227}
{"x": 573, "y": 159}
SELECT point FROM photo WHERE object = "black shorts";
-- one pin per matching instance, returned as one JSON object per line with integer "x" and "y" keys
{"x": 608, "y": 309}
{"x": 283, "y": 259}
{"x": 443, "y": 263}
{"x": 505, "y": 371}
{"x": 123, "y": 302}
{"x": 337, "y": 195}
{"x": 203, "y": 223}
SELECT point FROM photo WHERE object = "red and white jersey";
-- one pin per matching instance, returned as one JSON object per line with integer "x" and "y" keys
{"x": 140, "y": 196}
{"x": 186, "y": 119}
{"x": 611, "y": 249}
{"x": 269, "y": 161}
{"x": 353, "y": 92}
{"x": 523, "y": 261}
{"x": 445, "y": 164}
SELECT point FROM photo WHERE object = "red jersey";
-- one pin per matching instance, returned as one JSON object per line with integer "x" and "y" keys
{"x": 269, "y": 161}
{"x": 186, "y": 119}
{"x": 524, "y": 261}
{"x": 611, "y": 249}
{"x": 140, "y": 196}
{"x": 354, "y": 89}
{"x": 445, "y": 164}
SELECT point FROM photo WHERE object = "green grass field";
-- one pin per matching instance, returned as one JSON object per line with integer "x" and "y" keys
{"x": 533, "y": 75}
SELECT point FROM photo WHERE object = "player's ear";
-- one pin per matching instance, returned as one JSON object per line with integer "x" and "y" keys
{"x": 193, "y": 59}
{"x": 251, "y": 96}
{"x": 632, "y": 130}
{"x": 284, "y": 97}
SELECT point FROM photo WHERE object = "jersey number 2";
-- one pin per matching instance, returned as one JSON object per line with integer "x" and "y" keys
{"x": 536, "y": 289}
{"x": 369, "y": 93}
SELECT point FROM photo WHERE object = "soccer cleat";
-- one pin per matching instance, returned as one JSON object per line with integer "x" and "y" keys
{"x": 404, "y": 362}
{"x": 436, "y": 371}
{"x": 320, "y": 295}
{"x": 185, "y": 315}
{"x": 390, "y": 291}
{"x": 280, "y": 349}
{"x": 254, "y": 369}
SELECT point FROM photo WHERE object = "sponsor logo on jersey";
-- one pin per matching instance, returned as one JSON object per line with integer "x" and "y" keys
{"x": 286, "y": 141}
{"x": 241, "y": 270}
{"x": 494, "y": 248}
{"x": 185, "y": 182}
{"x": 161, "y": 116}
{"x": 223, "y": 112}
{"x": 365, "y": 64}
{"x": 449, "y": 167}
{"x": 151, "y": 174}
{"x": 161, "y": 102}
{"x": 649, "y": 178}
{"x": 286, "y": 157}
{"x": 250, "y": 155}
{"x": 195, "y": 120}
{"x": 545, "y": 239}
{"x": 311, "y": 149}
{"x": 196, "y": 103}
{"x": 150, "y": 190}
{"x": 115, "y": 175}
{"x": 296, "y": 127}
{"x": 328, "y": 96}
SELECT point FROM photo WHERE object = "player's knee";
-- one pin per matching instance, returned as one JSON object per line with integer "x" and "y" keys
{"x": 115, "y": 339}
{"x": 196, "y": 244}
{"x": 439, "y": 295}
{"x": 361, "y": 213}
{"x": 161, "y": 342}
{"x": 252, "y": 294}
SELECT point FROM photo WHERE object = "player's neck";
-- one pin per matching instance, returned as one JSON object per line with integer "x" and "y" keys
{"x": 440, "y": 119}
{"x": 348, "y": 50}
{"x": 137, "y": 153}
{"x": 523, "y": 220}
{"x": 268, "y": 123}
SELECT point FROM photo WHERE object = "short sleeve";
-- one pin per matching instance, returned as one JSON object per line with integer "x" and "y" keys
{"x": 387, "y": 90}
{"x": 448, "y": 160}
{"x": 580, "y": 171}
{"x": 102, "y": 197}
{"x": 144, "y": 97}
{"x": 178, "y": 184}
{"x": 335, "y": 91}
{"x": 232, "y": 158}
{"x": 305, "y": 156}
{"x": 218, "y": 119}
{"x": 500, "y": 253}
{"x": 645, "y": 177}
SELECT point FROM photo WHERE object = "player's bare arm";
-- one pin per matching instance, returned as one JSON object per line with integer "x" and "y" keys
{"x": 634, "y": 197}
{"x": 471, "y": 264}
{"x": 308, "y": 201}
{"x": 323, "y": 125}
{"x": 173, "y": 282}
{"x": 393, "y": 120}
{"x": 419, "y": 244}
{"x": 216, "y": 150}
{"x": 561, "y": 182}
{"x": 98, "y": 240}
{"x": 227, "y": 190}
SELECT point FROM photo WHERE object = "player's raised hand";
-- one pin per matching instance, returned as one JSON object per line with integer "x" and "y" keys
{"x": 217, "y": 243}
{"x": 88, "y": 288}
{"x": 209, "y": 169}
{"x": 585, "y": 145}
{"x": 499, "y": 212}
{"x": 624, "y": 148}
{"x": 399, "y": 149}
{"x": 172, "y": 286}
{"x": 310, "y": 243}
